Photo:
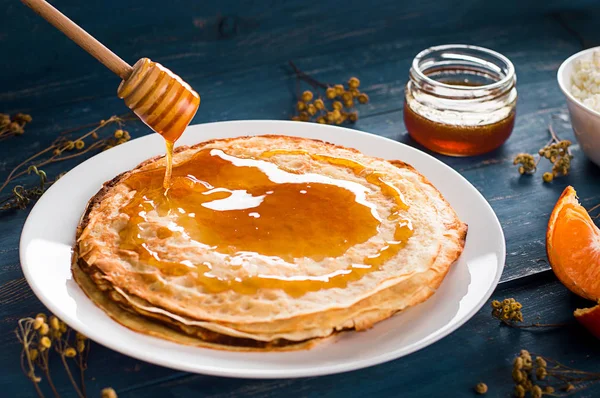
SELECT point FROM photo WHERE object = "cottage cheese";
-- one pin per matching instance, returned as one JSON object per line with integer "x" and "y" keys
{"x": 585, "y": 81}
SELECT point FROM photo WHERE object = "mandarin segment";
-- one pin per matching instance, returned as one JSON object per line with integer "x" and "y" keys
{"x": 590, "y": 319}
{"x": 573, "y": 246}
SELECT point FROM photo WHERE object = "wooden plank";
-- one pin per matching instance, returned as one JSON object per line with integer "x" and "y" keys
{"x": 218, "y": 31}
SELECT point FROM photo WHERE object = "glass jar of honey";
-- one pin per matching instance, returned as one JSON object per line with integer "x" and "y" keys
{"x": 460, "y": 99}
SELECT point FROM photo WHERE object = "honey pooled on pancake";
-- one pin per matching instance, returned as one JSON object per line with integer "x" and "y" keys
{"x": 252, "y": 208}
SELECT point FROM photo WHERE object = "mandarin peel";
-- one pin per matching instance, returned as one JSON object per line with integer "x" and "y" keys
{"x": 573, "y": 246}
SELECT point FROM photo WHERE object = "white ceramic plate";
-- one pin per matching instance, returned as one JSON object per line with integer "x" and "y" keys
{"x": 49, "y": 232}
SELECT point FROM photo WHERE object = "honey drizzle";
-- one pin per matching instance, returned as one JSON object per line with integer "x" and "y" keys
{"x": 403, "y": 229}
{"x": 356, "y": 221}
{"x": 169, "y": 166}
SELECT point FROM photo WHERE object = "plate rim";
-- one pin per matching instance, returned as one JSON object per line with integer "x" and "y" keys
{"x": 250, "y": 373}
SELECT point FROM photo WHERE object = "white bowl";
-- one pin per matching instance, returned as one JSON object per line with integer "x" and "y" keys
{"x": 585, "y": 121}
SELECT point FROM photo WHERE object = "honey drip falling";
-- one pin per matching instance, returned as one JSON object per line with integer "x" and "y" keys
{"x": 251, "y": 208}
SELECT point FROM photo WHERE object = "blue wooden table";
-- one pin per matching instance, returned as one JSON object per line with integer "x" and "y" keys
{"x": 235, "y": 54}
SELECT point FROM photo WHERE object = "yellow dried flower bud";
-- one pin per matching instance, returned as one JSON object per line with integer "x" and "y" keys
{"x": 349, "y": 104}
{"x": 337, "y": 105}
{"x": 79, "y": 144}
{"x": 95, "y": 135}
{"x": 536, "y": 392}
{"x": 300, "y": 106}
{"x": 37, "y": 323}
{"x": 311, "y": 109}
{"x": 45, "y": 342}
{"x": 519, "y": 391}
{"x": 22, "y": 118}
{"x": 347, "y": 96}
{"x": 353, "y": 117}
{"x": 570, "y": 387}
{"x": 330, "y": 93}
{"x": 353, "y": 82}
{"x": 44, "y": 329}
{"x": 56, "y": 152}
{"x": 363, "y": 98}
{"x": 118, "y": 133}
{"x": 541, "y": 373}
{"x": 549, "y": 389}
{"x": 69, "y": 145}
{"x": 80, "y": 336}
{"x": 16, "y": 128}
{"x": 80, "y": 346}
{"x": 496, "y": 304}
{"x": 33, "y": 354}
{"x": 109, "y": 393}
{"x": 4, "y": 120}
{"x": 319, "y": 104}
{"x": 339, "y": 89}
{"x": 525, "y": 353}
{"x": 307, "y": 96}
{"x": 541, "y": 362}
{"x": 63, "y": 327}
{"x": 517, "y": 376}
{"x": 70, "y": 352}
{"x": 481, "y": 388}
{"x": 548, "y": 177}
{"x": 54, "y": 323}
{"x": 126, "y": 135}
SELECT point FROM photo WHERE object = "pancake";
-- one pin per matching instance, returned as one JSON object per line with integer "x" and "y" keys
{"x": 264, "y": 243}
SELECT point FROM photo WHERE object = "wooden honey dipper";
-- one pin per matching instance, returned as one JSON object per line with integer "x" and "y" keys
{"x": 156, "y": 95}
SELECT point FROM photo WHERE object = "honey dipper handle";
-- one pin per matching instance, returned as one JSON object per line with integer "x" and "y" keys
{"x": 109, "y": 59}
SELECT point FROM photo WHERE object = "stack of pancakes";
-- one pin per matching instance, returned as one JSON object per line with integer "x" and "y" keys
{"x": 260, "y": 311}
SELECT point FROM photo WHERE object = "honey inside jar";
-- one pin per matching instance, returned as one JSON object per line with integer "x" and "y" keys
{"x": 244, "y": 207}
{"x": 460, "y": 100}
{"x": 455, "y": 138}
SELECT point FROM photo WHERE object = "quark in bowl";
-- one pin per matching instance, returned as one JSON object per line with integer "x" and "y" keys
{"x": 584, "y": 118}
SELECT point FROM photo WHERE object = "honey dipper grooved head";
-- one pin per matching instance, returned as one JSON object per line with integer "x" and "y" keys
{"x": 160, "y": 98}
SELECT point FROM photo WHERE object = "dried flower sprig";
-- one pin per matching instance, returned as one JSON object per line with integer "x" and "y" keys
{"x": 63, "y": 148}
{"x": 557, "y": 151}
{"x": 508, "y": 311}
{"x": 12, "y": 126}
{"x": 328, "y": 104}
{"x": 40, "y": 336}
{"x": 546, "y": 376}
